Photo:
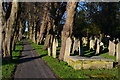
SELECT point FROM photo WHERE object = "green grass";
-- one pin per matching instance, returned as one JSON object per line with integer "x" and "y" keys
{"x": 106, "y": 55}
{"x": 9, "y": 66}
{"x": 62, "y": 69}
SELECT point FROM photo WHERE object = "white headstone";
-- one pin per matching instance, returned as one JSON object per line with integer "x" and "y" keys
{"x": 92, "y": 44}
{"x": 54, "y": 48}
{"x": 98, "y": 47}
{"x": 67, "y": 48}
{"x": 49, "y": 51}
{"x": 111, "y": 48}
{"x": 76, "y": 46}
{"x": 84, "y": 40}
{"x": 56, "y": 42}
{"x": 79, "y": 49}
{"x": 118, "y": 53}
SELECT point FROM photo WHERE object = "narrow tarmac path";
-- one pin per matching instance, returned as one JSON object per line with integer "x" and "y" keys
{"x": 31, "y": 65}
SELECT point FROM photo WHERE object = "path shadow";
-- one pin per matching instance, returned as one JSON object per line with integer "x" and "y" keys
{"x": 21, "y": 44}
{"x": 27, "y": 50}
{"x": 19, "y": 56}
{"x": 21, "y": 59}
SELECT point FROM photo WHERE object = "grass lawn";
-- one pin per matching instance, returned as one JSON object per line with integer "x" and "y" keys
{"x": 8, "y": 67}
{"x": 62, "y": 70}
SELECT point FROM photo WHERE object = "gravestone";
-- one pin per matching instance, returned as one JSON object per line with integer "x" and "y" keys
{"x": 49, "y": 51}
{"x": 79, "y": 48}
{"x": 111, "y": 48}
{"x": 95, "y": 43}
{"x": 98, "y": 47}
{"x": 101, "y": 46}
{"x": 76, "y": 46}
{"x": 118, "y": 53}
{"x": 84, "y": 40}
{"x": 92, "y": 44}
{"x": 56, "y": 42}
{"x": 54, "y": 48}
{"x": 67, "y": 48}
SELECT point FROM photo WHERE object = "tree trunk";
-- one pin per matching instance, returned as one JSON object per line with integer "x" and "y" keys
{"x": 1, "y": 27}
{"x": 43, "y": 26}
{"x": 20, "y": 31}
{"x": 67, "y": 29}
{"x": 30, "y": 27}
{"x": 34, "y": 32}
{"x": 9, "y": 30}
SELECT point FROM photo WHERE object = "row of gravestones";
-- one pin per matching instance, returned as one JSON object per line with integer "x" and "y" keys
{"x": 54, "y": 46}
{"x": 97, "y": 45}
{"x": 113, "y": 48}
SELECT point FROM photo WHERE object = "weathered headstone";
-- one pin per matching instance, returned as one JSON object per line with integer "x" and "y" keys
{"x": 76, "y": 46}
{"x": 118, "y": 53}
{"x": 56, "y": 42}
{"x": 101, "y": 46}
{"x": 67, "y": 48}
{"x": 92, "y": 44}
{"x": 84, "y": 40}
{"x": 54, "y": 48}
{"x": 98, "y": 47}
{"x": 111, "y": 48}
{"x": 79, "y": 48}
{"x": 49, "y": 51}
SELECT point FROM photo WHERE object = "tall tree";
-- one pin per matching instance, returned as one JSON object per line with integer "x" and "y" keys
{"x": 44, "y": 23}
{"x": 1, "y": 27}
{"x": 67, "y": 29}
{"x": 11, "y": 16}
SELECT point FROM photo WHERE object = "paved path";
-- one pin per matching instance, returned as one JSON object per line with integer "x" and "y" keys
{"x": 31, "y": 65}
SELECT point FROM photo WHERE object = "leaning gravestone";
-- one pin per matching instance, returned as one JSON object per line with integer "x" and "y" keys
{"x": 111, "y": 48}
{"x": 54, "y": 48}
{"x": 67, "y": 48}
{"x": 118, "y": 53}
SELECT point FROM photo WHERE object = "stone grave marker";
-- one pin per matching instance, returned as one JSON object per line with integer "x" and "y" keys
{"x": 79, "y": 48}
{"x": 118, "y": 53}
{"x": 92, "y": 44}
{"x": 67, "y": 48}
{"x": 84, "y": 40}
{"x": 54, "y": 48}
{"x": 56, "y": 42}
{"x": 98, "y": 47}
{"x": 111, "y": 48}
{"x": 49, "y": 51}
{"x": 101, "y": 46}
{"x": 76, "y": 47}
